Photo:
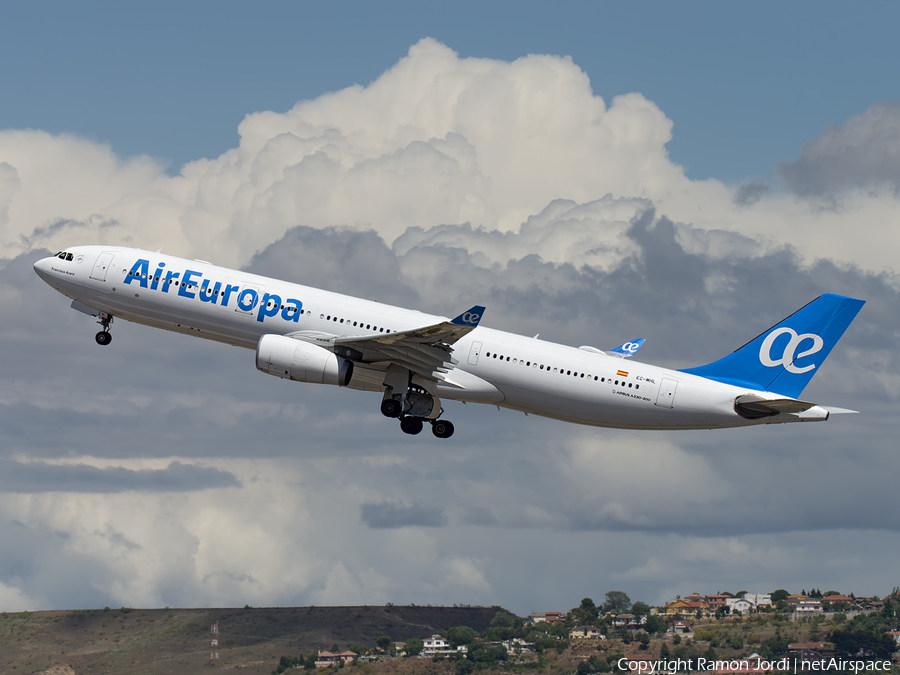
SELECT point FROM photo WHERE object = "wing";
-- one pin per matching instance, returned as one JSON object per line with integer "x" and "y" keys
{"x": 425, "y": 351}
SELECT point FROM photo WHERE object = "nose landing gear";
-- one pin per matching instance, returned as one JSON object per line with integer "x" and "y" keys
{"x": 104, "y": 337}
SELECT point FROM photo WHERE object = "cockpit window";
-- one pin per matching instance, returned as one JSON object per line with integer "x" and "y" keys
{"x": 63, "y": 255}
{"x": 70, "y": 256}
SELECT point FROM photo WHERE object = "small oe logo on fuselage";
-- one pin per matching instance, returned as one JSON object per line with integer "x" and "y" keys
{"x": 789, "y": 355}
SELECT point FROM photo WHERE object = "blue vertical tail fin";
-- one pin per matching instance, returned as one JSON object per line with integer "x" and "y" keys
{"x": 784, "y": 358}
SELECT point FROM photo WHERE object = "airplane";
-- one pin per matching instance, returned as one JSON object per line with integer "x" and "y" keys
{"x": 415, "y": 360}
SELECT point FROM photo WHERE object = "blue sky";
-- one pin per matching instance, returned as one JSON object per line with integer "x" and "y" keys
{"x": 745, "y": 85}
{"x": 459, "y": 171}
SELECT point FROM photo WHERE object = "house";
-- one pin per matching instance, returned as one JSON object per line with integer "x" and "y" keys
{"x": 738, "y": 605}
{"x": 812, "y": 651}
{"x": 685, "y": 607}
{"x": 714, "y": 602}
{"x": 549, "y": 617}
{"x": 438, "y": 646}
{"x": 679, "y": 628}
{"x": 585, "y": 633}
{"x": 519, "y": 646}
{"x": 325, "y": 659}
{"x": 758, "y": 599}
{"x": 803, "y": 604}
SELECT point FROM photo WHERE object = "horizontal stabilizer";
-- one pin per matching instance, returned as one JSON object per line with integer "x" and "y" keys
{"x": 840, "y": 411}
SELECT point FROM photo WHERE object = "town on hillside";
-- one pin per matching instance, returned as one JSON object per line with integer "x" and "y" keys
{"x": 723, "y": 633}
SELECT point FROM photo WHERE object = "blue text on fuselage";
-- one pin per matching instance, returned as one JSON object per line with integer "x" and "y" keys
{"x": 192, "y": 285}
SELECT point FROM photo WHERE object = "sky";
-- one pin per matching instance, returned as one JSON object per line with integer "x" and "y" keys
{"x": 593, "y": 172}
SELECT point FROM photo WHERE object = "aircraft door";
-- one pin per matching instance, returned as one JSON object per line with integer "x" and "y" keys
{"x": 666, "y": 395}
{"x": 473, "y": 353}
{"x": 101, "y": 266}
{"x": 247, "y": 300}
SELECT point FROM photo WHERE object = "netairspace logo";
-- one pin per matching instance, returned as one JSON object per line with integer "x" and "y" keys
{"x": 759, "y": 666}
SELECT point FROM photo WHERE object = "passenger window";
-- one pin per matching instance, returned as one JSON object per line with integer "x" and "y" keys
{"x": 629, "y": 385}
{"x": 603, "y": 379}
{"x": 637, "y": 386}
{"x": 595, "y": 378}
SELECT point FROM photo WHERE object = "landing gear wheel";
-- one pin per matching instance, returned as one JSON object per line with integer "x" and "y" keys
{"x": 411, "y": 425}
{"x": 391, "y": 408}
{"x": 442, "y": 428}
{"x": 103, "y": 338}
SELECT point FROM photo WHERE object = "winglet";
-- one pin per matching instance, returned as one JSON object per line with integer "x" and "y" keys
{"x": 627, "y": 349}
{"x": 470, "y": 317}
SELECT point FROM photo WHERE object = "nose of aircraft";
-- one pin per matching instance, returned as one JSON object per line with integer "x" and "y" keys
{"x": 42, "y": 267}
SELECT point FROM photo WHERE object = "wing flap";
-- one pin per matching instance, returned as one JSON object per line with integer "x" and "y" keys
{"x": 425, "y": 351}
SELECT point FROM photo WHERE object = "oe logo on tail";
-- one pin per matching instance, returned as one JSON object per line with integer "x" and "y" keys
{"x": 789, "y": 355}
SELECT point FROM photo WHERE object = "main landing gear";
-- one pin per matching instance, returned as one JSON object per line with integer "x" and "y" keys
{"x": 412, "y": 423}
{"x": 104, "y": 337}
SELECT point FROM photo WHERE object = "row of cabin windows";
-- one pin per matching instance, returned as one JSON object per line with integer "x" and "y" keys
{"x": 360, "y": 324}
{"x": 561, "y": 371}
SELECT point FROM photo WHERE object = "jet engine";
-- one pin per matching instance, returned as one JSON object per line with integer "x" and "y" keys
{"x": 301, "y": 361}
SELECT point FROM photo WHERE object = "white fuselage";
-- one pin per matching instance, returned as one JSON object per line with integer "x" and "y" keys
{"x": 517, "y": 372}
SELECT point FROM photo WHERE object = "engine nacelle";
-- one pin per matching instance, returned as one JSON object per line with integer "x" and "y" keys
{"x": 301, "y": 361}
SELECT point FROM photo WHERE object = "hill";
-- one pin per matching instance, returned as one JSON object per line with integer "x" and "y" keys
{"x": 176, "y": 641}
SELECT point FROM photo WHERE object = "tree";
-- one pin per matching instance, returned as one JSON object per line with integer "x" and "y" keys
{"x": 335, "y": 649}
{"x": 413, "y": 646}
{"x": 287, "y": 663}
{"x": 655, "y": 624}
{"x": 384, "y": 643}
{"x": 617, "y": 601}
{"x": 775, "y": 646}
{"x": 461, "y": 635}
{"x": 640, "y": 609}
{"x": 589, "y": 609}
{"x": 736, "y": 642}
{"x": 664, "y": 652}
{"x": 779, "y": 595}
